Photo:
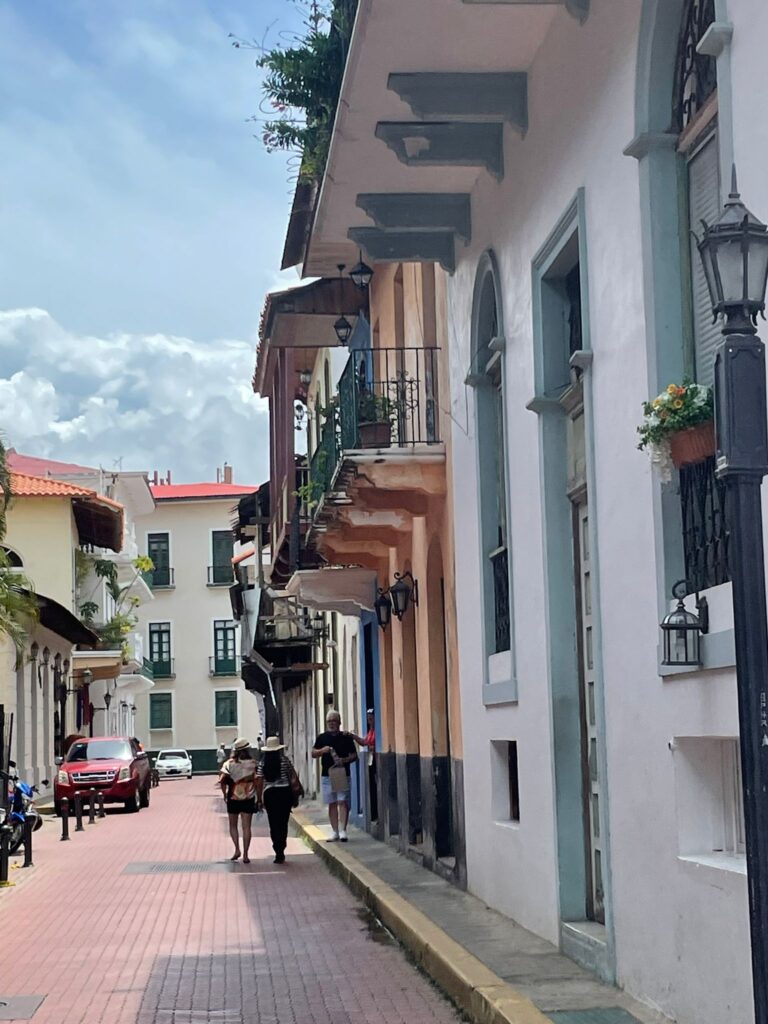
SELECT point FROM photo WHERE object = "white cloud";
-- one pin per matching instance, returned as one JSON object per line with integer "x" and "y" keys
{"x": 154, "y": 401}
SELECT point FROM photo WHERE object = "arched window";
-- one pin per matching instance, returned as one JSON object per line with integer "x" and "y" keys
{"x": 488, "y": 375}
{"x": 14, "y": 559}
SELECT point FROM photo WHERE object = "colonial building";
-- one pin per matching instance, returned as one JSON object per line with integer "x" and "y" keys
{"x": 544, "y": 165}
{"x": 189, "y": 631}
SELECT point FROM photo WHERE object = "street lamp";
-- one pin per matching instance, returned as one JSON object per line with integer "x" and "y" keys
{"x": 734, "y": 251}
{"x": 342, "y": 326}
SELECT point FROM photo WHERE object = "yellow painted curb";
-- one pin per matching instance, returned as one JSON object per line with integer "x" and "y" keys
{"x": 474, "y": 988}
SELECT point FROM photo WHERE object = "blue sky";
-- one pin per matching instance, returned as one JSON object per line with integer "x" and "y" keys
{"x": 139, "y": 214}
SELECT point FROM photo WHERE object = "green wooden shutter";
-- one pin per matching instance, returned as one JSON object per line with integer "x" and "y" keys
{"x": 160, "y": 649}
{"x": 158, "y": 549}
{"x": 222, "y": 557}
{"x": 703, "y": 204}
{"x": 224, "y": 651}
{"x": 226, "y": 709}
{"x": 160, "y": 711}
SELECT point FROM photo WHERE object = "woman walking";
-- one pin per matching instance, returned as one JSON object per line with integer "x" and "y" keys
{"x": 275, "y": 777}
{"x": 238, "y": 787}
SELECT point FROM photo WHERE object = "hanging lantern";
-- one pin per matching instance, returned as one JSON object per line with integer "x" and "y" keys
{"x": 361, "y": 274}
{"x": 401, "y": 593}
{"x": 383, "y": 608}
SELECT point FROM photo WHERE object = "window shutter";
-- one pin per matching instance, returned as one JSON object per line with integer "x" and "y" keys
{"x": 703, "y": 204}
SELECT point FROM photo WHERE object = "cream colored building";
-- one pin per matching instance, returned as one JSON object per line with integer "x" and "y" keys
{"x": 189, "y": 631}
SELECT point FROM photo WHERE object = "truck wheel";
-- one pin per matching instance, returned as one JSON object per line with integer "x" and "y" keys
{"x": 133, "y": 803}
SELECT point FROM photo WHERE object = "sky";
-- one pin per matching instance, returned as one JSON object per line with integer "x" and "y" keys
{"x": 142, "y": 224}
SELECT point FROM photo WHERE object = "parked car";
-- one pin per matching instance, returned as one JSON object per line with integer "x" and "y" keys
{"x": 173, "y": 764}
{"x": 116, "y": 766}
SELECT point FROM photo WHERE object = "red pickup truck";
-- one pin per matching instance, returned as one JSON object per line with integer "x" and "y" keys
{"x": 112, "y": 765}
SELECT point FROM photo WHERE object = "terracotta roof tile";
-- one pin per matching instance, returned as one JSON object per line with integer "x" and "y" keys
{"x": 33, "y": 466}
{"x": 25, "y": 486}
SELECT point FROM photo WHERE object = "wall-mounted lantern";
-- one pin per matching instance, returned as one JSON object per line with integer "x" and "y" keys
{"x": 383, "y": 608}
{"x": 402, "y": 593}
{"x": 682, "y": 630}
{"x": 342, "y": 327}
{"x": 305, "y": 377}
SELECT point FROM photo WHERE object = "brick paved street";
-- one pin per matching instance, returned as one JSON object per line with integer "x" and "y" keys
{"x": 107, "y": 942}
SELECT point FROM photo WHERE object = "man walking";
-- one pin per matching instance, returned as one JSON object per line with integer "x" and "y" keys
{"x": 338, "y": 751}
{"x": 221, "y": 756}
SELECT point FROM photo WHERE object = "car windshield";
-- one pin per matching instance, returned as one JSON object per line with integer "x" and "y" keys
{"x": 167, "y": 755}
{"x": 100, "y": 750}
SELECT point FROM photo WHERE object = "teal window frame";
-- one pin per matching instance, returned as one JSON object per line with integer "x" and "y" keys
{"x": 224, "y": 647}
{"x": 221, "y": 720}
{"x": 160, "y": 553}
{"x": 162, "y": 667}
{"x": 222, "y": 573}
{"x": 160, "y": 707}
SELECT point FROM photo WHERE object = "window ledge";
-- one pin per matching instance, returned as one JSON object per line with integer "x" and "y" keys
{"x": 736, "y": 863}
{"x": 500, "y": 693}
{"x": 508, "y": 824}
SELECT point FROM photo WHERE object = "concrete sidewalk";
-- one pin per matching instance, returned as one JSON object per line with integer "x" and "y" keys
{"x": 493, "y": 969}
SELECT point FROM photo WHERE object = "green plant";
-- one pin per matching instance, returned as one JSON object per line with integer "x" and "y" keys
{"x": 122, "y": 622}
{"x": 18, "y": 605}
{"x": 303, "y": 81}
{"x": 373, "y": 408}
{"x": 678, "y": 407}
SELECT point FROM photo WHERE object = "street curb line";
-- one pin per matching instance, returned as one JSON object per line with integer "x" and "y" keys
{"x": 474, "y": 988}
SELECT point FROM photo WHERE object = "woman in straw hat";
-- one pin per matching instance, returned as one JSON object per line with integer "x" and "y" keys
{"x": 238, "y": 787}
{"x": 276, "y": 783}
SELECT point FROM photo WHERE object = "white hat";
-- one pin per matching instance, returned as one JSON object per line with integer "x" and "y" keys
{"x": 240, "y": 744}
{"x": 273, "y": 743}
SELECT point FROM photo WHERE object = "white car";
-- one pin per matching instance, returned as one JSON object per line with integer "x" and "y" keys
{"x": 172, "y": 764}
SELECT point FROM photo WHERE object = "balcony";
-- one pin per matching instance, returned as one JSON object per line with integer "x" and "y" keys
{"x": 147, "y": 669}
{"x": 160, "y": 579}
{"x": 164, "y": 669}
{"x": 224, "y": 666}
{"x": 220, "y": 575}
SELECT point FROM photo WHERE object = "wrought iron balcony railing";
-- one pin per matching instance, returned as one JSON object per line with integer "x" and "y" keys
{"x": 221, "y": 575}
{"x": 224, "y": 666}
{"x": 157, "y": 579}
{"x": 163, "y": 669}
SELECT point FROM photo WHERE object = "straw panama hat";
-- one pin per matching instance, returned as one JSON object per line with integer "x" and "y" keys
{"x": 240, "y": 744}
{"x": 273, "y": 743}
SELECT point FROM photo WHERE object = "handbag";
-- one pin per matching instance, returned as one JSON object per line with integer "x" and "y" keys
{"x": 297, "y": 790}
{"x": 338, "y": 778}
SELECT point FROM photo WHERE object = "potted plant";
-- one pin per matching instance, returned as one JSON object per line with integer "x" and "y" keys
{"x": 374, "y": 420}
{"x": 678, "y": 426}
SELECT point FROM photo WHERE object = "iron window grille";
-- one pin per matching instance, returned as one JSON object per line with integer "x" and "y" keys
{"x": 695, "y": 73}
{"x": 705, "y": 526}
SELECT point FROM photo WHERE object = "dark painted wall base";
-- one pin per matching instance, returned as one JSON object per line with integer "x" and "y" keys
{"x": 421, "y": 810}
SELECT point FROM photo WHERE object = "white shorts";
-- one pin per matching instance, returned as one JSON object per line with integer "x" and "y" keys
{"x": 333, "y": 797}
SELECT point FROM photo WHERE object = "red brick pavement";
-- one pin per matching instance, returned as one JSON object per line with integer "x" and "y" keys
{"x": 264, "y": 944}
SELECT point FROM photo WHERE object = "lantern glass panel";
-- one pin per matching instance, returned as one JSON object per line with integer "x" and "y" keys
{"x": 400, "y": 593}
{"x": 730, "y": 263}
{"x": 757, "y": 275}
{"x": 715, "y": 295}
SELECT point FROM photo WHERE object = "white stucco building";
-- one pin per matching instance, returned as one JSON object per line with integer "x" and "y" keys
{"x": 189, "y": 631}
{"x": 553, "y": 158}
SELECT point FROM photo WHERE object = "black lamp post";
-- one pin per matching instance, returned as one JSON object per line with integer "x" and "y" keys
{"x": 401, "y": 593}
{"x": 734, "y": 251}
{"x": 383, "y": 608}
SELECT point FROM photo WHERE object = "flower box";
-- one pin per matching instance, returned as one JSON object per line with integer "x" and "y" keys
{"x": 696, "y": 444}
{"x": 375, "y": 435}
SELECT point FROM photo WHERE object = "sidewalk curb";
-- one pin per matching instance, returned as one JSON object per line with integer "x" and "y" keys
{"x": 474, "y": 988}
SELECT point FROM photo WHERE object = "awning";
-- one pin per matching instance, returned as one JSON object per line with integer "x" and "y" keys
{"x": 60, "y": 620}
{"x": 344, "y": 589}
{"x": 101, "y": 664}
{"x": 99, "y": 522}
{"x": 303, "y": 317}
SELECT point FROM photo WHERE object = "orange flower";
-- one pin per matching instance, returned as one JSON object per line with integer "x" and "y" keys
{"x": 672, "y": 389}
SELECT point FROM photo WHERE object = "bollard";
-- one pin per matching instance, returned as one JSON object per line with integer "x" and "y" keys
{"x": 91, "y": 807}
{"x": 5, "y": 844}
{"x": 64, "y": 819}
{"x": 100, "y": 798}
{"x": 79, "y": 813}
{"x": 28, "y": 843}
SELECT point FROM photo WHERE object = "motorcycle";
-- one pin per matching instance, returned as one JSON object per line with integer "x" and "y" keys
{"x": 19, "y": 808}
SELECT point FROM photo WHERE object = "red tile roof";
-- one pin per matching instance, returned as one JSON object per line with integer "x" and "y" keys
{"x": 169, "y": 492}
{"x": 25, "y": 486}
{"x": 32, "y": 466}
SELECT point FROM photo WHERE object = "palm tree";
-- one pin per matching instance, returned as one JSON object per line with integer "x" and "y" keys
{"x": 18, "y": 606}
